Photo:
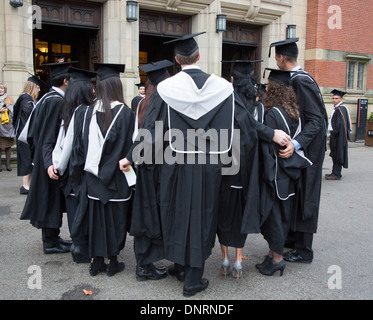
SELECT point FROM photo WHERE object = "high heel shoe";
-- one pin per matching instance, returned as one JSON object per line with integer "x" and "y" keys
{"x": 271, "y": 268}
{"x": 237, "y": 270}
{"x": 225, "y": 267}
{"x": 266, "y": 261}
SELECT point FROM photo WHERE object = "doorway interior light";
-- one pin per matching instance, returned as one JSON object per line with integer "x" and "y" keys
{"x": 221, "y": 22}
{"x": 16, "y": 3}
{"x": 131, "y": 11}
{"x": 291, "y": 31}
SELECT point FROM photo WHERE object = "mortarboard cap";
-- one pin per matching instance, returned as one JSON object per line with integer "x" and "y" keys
{"x": 156, "y": 71}
{"x": 242, "y": 68}
{"x": 141, "y": 84}
{"x": 279, "y": 76}
{"x": 58, "y": 69}
{"x": 80, "y": 74}
{"x": 108, "y": 70}
{"x": 37, "y": 81}
{"x": 185, "y": 45}
{"x": 338, "y": 93}
{"x": 286, "y": 47}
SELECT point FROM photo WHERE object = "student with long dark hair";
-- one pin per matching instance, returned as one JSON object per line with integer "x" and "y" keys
{"x": 281, "y": 176}
{"x": 107, "y": 137}
{"x": 78, "y": 97}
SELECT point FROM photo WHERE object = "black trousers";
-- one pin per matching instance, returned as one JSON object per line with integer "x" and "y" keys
{"x": 193, "y": 275}
{"x": 302, "y": 242}
{"x": 50, "y": 236}
{"x": 337, "y": 169}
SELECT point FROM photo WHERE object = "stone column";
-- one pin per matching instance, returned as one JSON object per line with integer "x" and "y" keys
{"x": 121, "y": 44}
{"x": 16, "y": 55}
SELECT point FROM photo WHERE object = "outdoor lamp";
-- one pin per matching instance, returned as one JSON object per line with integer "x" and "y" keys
{"x": 16, "y": 3}
{"x": 291, "y": 31}
{"x": 131, "y": 11}
{"x": 221, "y": 22}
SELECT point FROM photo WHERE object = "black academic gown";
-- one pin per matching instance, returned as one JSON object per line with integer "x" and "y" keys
{"x": 340, "y": 135}
{"x": 238, "y": 201}
{"x": 45, "y": 201}
{"x": 21, "y": 112}
{"x": 108, "y": 192}
{"x": 313, "y": 141}
{"x": 135, "y": 102}
{"x": 183, "y": 213}
{"x": 280, "y": 181}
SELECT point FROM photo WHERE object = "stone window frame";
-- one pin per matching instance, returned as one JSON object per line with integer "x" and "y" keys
{"x": 354, "y": 75}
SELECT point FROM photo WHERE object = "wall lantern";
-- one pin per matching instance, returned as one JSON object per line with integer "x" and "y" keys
{"x": 221, "y": 22}
{"x": 131, "y": 11}
{"x": 16, "y": 3}
{"x": 291, "y": 31}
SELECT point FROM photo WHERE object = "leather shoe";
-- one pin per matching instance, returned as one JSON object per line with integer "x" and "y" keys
{"x": 80, "y": 254}
{"x": 65, "y": 242}
{"x": 332, "y": 177}
{"x": 192, "y": 290}
{"x": 177, "y": 272}
{"x": 295, "y": 256}
{"x": 57, "y": 248}
{"x": 23, "y": 190}
{"x": 150, "y": 272}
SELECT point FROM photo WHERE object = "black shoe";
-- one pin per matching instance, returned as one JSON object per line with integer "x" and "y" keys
{"x": 65, "y": 242}
{"x": 114, "y": 266}
{"x": 295, "y": 256}
{"x": 9, "y": 169}
{"x": 97, "y": 265}
{"x": 192, "y": 290}
{"x": 57, "y": 248}
{"x": 332, "y": 177}
{"x": 271, "y": 268}
{"x": 150, "y": 272}
{"x": 262, "y": 265}
{"x": 23, "y": 190}
{"x": 177, "y": 272}
{"x": 80, "y": 254}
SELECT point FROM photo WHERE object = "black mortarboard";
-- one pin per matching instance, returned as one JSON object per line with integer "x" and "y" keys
{"x": 36, "y": 80}
{"x": 185, "y": 45}
{"x": 338, "y": 93}
{"x": 141, "y": 84}
{"x": 279, "y": 76}
{"x": 156, "y": 71}
{"x": 60, "y": 55}
{"x": 242, "y": 68}
{"x": 286, "y": 47}
{"x": 108, "y": 70}
{"x": 58, "y": 69}
{"x": 80, "y": 74}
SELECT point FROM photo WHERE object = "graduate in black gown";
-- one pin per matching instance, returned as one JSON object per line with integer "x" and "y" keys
{"x": 148, "y": 249}
{"x": 78, "y": 96}
{"x": 21, "y": 112}
{"x": 280, "y": 179}
{"x": 340, "y": 134}
{"x": 312, "y": 140}
{"x": 45, "y": 201}
{"x": 191, "y": 169}
{"x": 135, "y": 101}
{"x": 107, "y": 137}
{"x": 232, "y": 199}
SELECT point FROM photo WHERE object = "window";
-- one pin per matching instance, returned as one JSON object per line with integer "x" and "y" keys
{"x": 356, "y": 73}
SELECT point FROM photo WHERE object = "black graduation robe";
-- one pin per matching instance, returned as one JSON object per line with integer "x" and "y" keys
{"x": 340, "y": 135}
{"x": 45, "y": 201}
{"x": 181, "y": 202}
{"x": 21, "y": 112}
{"x": 313, "y": 141}
{"x": 135, "y": 102}
{"x": 107, "y": 189}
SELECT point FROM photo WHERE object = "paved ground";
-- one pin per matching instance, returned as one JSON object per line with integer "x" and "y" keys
{"x": 344, "y": 239}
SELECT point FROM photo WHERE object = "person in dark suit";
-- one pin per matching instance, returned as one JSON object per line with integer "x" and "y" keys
{"x": 312, "y": 140}
{"x": 340, "y": 134}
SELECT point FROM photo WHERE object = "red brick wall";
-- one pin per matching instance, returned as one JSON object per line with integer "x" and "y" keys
{"x": 327, "y": 73}
{"x": 357, "y": 26}
{"x": 356, "y": 36}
